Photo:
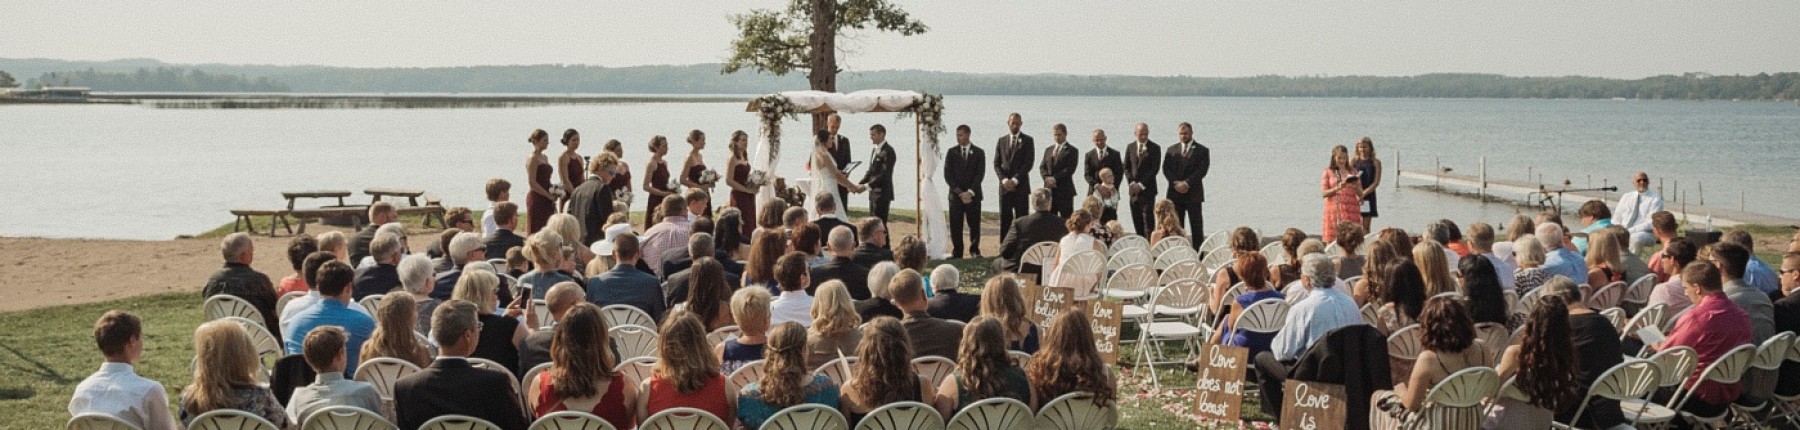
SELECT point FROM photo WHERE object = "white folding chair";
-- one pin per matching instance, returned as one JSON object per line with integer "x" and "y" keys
{"x": 1076, "y": 411}
{"x": 570, "y": 420}
{"x": 1274, "y": 254}
{"x": 1615, "y": 316}
{"x": 1455, "y": 403}
{"x": 1129, "y": 241}
{"x": 1332, "y": 249}
{"x": 622, "y": 315}
{"x": 1130, "y": 283}
{"x": 997, "y": 413}
{"x": 1404, "y": 346}
{"x": 1081, "y": 273}
{"x": 1728, "y": 369}
{"x": 1215, "y": 241}
{"x": 346, "y": 418}
{"x": 1180, "y": 302}
{"x": 838, "y": 370}
{"x": 743, "y": 376}
{"x": 1631, "y": 380}
{"x": 226, "y": 305}
{"x": 1647, "y": 317}
{"x": 636, "y": 370}
{"x": 1372, "y": 317}
{"x": 1174, "y": 255}
{"x": 1127, "y": 257}
{"x": 281, "y": 303}
{"x": 683, "y": 419}
{"x": 902, "y": 416}
{"x": 1294, "y": 292}
{"x": 721, "y": 334}
{"x": 1264, "y": 316}
{"x": 1607, "y": 296}
{"x": 1543, "y": 419}
{"x": 230, "y": 419}
{"x": 1640, "y": 289}
{"x": 99, "y": 421}
{"x": 268, "y": 348}
{"x": 1789, "y": 406}
{"x": 1768, "y": 358}
{"x": 1217, "y": 259}
{"x": 1216, "y": 313}
{"x": 528, "y": 386}
{"x": 1495, "y": 336}
{"x": 371, "y": 302}
{"x": 934, "y": 368}
{"x": 457, "y": 422}
{"x": 382, "y": 373}
{"x": 541, "y": 307}
{"x": 1018, "y": 358}
{"x": 1673, "y": 365}
{"x": 1512, "y": 302}
{"x": 633, "y": 341}
{"x": 1184, "y": 269}
{"x": 1169, "y": 243}
{"x": 807, "y": 416}
{"x": 1041, "y": 254}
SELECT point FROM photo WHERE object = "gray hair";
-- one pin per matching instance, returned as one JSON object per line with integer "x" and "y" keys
{"x": 944, "y": 278}
{"x": 1528, "y": 251}
{"x": 825, "y": 203}
{"x": 879, "y": 277}
{"x": 700, "y": 245}
{"x": 1564, "y": 287}
{"x": 1317, "y": 269}
{"x": 842, "y": 239}
{"x": 235, "y": 245}
{"x": 1438, "y": 231}
{"x": 415, "y": 274}
{"x": 393, "y": 228}
{"x": 479, "y": 265}
{"x": 1040, "y": 199}
{"x": 385, "y": 245}
{"x": 1550, "y": 235}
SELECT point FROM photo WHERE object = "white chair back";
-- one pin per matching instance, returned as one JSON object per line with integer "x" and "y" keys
{"x": 1294, "y": 292}
{"x": 1495, "y": 336}
{"x": 1076, "y": 411}
{"x": 268, "y": 348}
{"x": 382, "y": 373}
{"x": 457, "y": 422}
{"x": 1081, "y": 273}
{"x": 1217, "y": 259}
{"x": 1018, "y": 358}
{"x": 1455, "y": 403}
{"x": 636, "y": 370}
{"x": 903, "y": 416}
{"x": 226, "y": 305}
{"x": 1371, "y": 317}
{"x": 1773, "y": 351}
{"x": 1169, "y": 243}
{"x": 571, "y": 420}
{"x": 541, "y": 307}
{"x": 1727, "y": 369}
{"x": 1129, "y": 241}
{"x": 1639, "y": 291}
{"x": 1183, "y": 298}
{"x": 1615, "y": 316}
{"x": 491, "y": 365}
{"x": 1632, "y": 379}
{"x": 838, "y": 370}
{"x": 528, "y": 386}
{"x": 230, "y": 419}
{"x": 1128, "y": 256}
{"x": 1404, "y": 346}
{"x": 721, "y": 334}
{"x": 371, "y": 302}
{"x": 1264, "y": 316}
{"x": 1215, "y": 241}
{"x": 683, "y": 419}
{"x": 1647, "y": 317}
{"x": 621, "y": 315}
{"x": 1607, "y": 296}
{"x": 1274, "y": 254}
{"x": 997, "y": 413}
{"x": 1175, "y": 255}
{"x": 1042, "y": 254}
{"x": 934, "y": 368}
{"x": 281, "y": 303}
{"x": 1131, "y": 282}
{"x": 345, "y": 418}
{"x": 99, "y": 421}
{"x": 807, "y": 416}
{"x": 633, "y": 341}
{"x": 1675, "y": 365}
{"x": 1184, "y": 269}
{"x": 743, "y": 376}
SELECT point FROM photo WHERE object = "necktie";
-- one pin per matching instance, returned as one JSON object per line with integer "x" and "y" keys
{"x": 1632, "y": 217}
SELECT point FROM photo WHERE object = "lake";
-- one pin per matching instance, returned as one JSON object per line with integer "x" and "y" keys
{"x": 134, "y": 172}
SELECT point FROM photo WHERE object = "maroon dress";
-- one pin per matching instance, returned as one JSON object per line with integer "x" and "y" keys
{"x": 573, "y": 173}
{"x": 659, "y": 179}
{"x": 537, "y": 207}
{"x": 744, "y": 202}
{"x": 693, "y": 174}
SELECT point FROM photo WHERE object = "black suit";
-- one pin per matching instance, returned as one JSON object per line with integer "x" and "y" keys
{"x": 359, "y": 244}
{"x": 675, "y": 289}
{"x": 952, "y": 305}
{"x": 1059, "y": 163}
{"x": 841, "y": 155}
{"x": 868, "y": 255}
{"x": 1031, "y": 229}
{"x": 827, "y": 224}
{"x": 536, "y": 349}
{"x": 1096, "y": 161}
{"x": 451, "y": 386}
{"x": 591, "y": 203}
{"x": 963, "y": 171}
{"x": 377, "y": 279}
{"x": 1787, "y": 318}
{"x": 1012, "y": 160}
{"x": 880, "y": 179}
{"x": 855, "y": 277}
{"x": 675, "y": 260}
{"x": 1141, "y": 163}
{"x": 1189, "y": 162}
{"x": 502, "y": 240}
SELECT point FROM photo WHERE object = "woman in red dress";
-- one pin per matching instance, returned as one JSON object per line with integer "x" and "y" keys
{"x": 573, "y": 167}
{"x": 656, "y": 180}
{"x": 540, "y": 203}
{"x": 743, "y": 196}
{"x": 694, "y": 167}
{"x": 1342, "y": 190}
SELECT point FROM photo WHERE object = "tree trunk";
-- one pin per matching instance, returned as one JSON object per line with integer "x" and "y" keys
{"x": 822, "y": 70}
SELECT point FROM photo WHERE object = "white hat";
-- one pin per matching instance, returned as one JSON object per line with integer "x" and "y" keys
{"x": 605, "y": 246}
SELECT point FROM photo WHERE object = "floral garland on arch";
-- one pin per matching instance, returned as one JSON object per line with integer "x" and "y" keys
{"x": 930, "y": 109}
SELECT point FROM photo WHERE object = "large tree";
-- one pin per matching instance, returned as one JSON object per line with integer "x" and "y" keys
{"x": 804, "y": 36}
{"x": 6, "y": 80}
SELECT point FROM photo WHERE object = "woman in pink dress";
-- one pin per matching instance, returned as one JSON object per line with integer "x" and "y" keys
{"x": 1340, "y": 187}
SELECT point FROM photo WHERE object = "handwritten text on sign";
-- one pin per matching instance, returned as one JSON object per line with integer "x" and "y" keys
{"x": 1049, "y": 302}
{"x": 1106, "y": 315}
{"x": 1220, "y": 391}
{"x": 1312, "y": 406}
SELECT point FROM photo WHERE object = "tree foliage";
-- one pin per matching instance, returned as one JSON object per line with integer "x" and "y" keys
{"x": 163, "y": 79}
{"x": 796, "y": 38}
{"x": 6, "y": 80}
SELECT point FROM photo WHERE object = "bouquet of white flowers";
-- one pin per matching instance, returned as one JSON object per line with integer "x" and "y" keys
{"x": 708, "y": 178}
{"x": 757, "y": 178}
{"x": 623, "y": 195}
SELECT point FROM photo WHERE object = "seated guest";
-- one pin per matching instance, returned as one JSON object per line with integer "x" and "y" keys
{"x": 332, "y": 309}
{"x": 1042, "y": 225}
{"x": 750, "y": 308}
{"x": 1594, "y": 216}
{"x": 394, "y": 336}
{"x": 670, "y": 233}
{"x": 1633, "y": 266}
{"x": 841, "y": 267}
{"x": 1168, "y": 223}
{"x": 1528, "y": 252}
{"x": 1254, "y": 292}
{"x": 1243, "y": 242}
{"x": 384, "y": 276}
{"x": 933, "y": 336}
{"x": 1003, "y": 300}
{"x": 625, "y": 284}
{"x": 1349, "y": 238}
{"x": 794, "y": 305}
{"x": 828, "y": 218}
{"x": 1098, "y": 228}
{"x": 787, "y": 378}
{"x": 239, "y": 280}
{"x": 545, "y": 251}
{"x": 335, "y": 243}
{"x": 1732, "y": 260}
{"x": 581, "y": 377}
{"x": 793, "y": 218}
{"x": 807, "y": 239}
{"x": 1635, "y": 210}
{"x": 450, "y": 385}
{"x": 874, "y": 246}
{"x": 464, "y": 249}
{"x": 1519, "y": 226}
{"x": 883, "y": 372}
{"x": 1079, "y": 239}
{"x": 1481, "y": 242}
{"x": 910, "y": 254}
{"x": 1434, "y": 267}
{"x": 1558, "y": 259}
{"x": 1675, "y": 254}
{"x": 1071, "y": 363}
{"x": 1324, "y": 309}
{"x": 1713, "y": 327}
{"x": 516, "y": 264}
{"x": 117, "y": 390}
{"x": 1377, "y": 265}
{"x": 537, "y": 346}
{"x": 325, "y": 354}
{"x": 731, "y": 239}
{"x": 415, "y": 278}
{"x": 1596, "y": 350}
{"x": 686, "y": 376}
{"x": 1450, "y": 345}
{"x": 770, "y": 216}
{"x": 501, "y": 334}
{"x": 1405, "y": 297}
{"x": 679, "y": 259}
{"x": 298, "y": 248}
{"x": 224, "y": 364}
{"x": 1787, "y": 318}
{"x": 676, "y": 286}
{"x": 948, "y": 303}
{"x": 440, "y": 260}
{"x": 1480, "y": 283}
{"x": 1542, "y": 366}
{"x": 380, "y": 214}
{"x": 834, "y": 331}
{"x": 983, "y": 370}
{"x": 506, "y": 219}
{"x": 708, "y": 294}
{"x": 878, "y": 304}
{"x": 1603, "y": 261}
{"x": 1756, "y": 274}
{"x": 395, "y": 229}
{"x": 766, "y": 246}
{"x": 310, "y": 272}
{"x": 1284, "y": 273}
{"x": 1663, "y": 225}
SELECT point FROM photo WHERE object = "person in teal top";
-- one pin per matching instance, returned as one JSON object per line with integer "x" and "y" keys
{"x": 786, "y": 381}
{"x": 983, "y": 370}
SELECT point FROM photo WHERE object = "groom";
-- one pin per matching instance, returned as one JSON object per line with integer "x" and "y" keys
{"x": 840, "y": 152}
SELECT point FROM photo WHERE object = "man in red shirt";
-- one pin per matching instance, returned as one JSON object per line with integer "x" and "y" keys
{"x": 1712, "y": 328}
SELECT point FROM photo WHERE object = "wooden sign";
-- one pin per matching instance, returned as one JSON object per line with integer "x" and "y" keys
{"x": 1106, "y": 321}
{"x": 1312, "y": 406}
{"x": 1219, "y": 391}
{"x": 1048, "y": 302}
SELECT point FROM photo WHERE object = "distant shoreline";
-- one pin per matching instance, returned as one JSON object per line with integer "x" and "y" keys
{"x": 365, "y": 101}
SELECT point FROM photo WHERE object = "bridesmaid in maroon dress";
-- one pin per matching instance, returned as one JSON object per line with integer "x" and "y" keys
{"x": 540, "y": 203}
{"x": 574, "y": 169}
{"x": 656, "y": 180}
{"x": 621, "y": 180}
{"x": 743, "y": 196}
{"x": 693, "y": 167}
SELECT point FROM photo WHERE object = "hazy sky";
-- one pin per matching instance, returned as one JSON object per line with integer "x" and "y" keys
{"x": 1160, "y": 37}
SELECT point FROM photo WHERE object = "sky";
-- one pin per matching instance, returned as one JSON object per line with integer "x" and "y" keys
{"x": 1137, "y": 37}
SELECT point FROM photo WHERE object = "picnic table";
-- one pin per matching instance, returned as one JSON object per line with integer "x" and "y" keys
{"x": 412, "y": 196}
{"x": 292, "y": 196}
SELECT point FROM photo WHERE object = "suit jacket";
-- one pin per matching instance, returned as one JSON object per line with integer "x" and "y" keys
{"x": 880, "y": 176}
{"x": 827, "y": 224}
{"x": 964, "y": 171}
{"x": 1060, "y": 162}
{"x": 675, "y": 260}
{"x": 359, "y": 244}
{"x": 1141, "y": 163}
{"x": 868, "y": 255}
{"x": 676, "y": 287}
{"x": 952, "y": 305}
{"x": 504, "y": 239}
{"x": 1787, "y": 318}
{"x": 377, "y": 279}
{"x": 873, "y": 307}
{"x": 626, "y": 285}
{"x": 243, "y": 282}
{"x": 536, "y": 349}
{"x": 1094, "y": 161}
{"x": 854, "y": 276}
{"x": 1355, "y": 357}
{"x": 1012, "y": 160}
{"x": 591, "y": 203}
{"x": 841, "y": 153}
{"x": 1188, "y": 165}
{"x": 932, "y": 336}
{"x": 1028, "y": 230}
{"x": 451, "y": 386}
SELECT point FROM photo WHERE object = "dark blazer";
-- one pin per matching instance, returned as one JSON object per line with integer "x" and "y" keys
{"x": 675, "y": 260}
{"x": 1028, "y": 230}
{"x": 1190, "y": 167}
{"x": 359, "y": 243}
{"x": 1060, "y": 162}
{"x": 1787, "y": 318}
{"x": 535, "y": 350}
{"x": 591, "y": 203}
{"x": 826, "y": 224}
{"x": 445, "y": 284}
{"x": 377, "y": 279}
{"x": 675, "y": 289}
{"x": 932, "y": 336}
{"x": 290, "y": 372}
{"x": 964, "y": 170}
{"x": 868, "y": 255}
{"x": 1353, "y": 356}
{"x": 504, "y": 239}
{"x": 1096, "y": 161}
{"x": 873, "y": 307}
{"x": 952, "y": 305}
{"x": 451, "y": 386}
{"x": 880, "y": 176}
{"x": 243, "y": 282}
{"x": 1012, "y": 160}
{"x": 854, "y": 276}
{"x": 841, "y": 154}
{"x": 626, "y": 285}
{"x": 1140, "y": 168}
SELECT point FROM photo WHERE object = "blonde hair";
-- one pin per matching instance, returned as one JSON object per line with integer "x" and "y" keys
{"x": 1434, "y": 266}
{"x": 544, "y": 250}
{"x": 1002, "y": 300}
{"x": 478, "y": 286}
{"x": 750, "y": 309}
{"x": 1603, "y": 247}
{"x": 331, "y": 241}
{"x": 394, "y": 335}
{"x": 683, "y": 356}
{"x": 565, "y": 225}
{"x": 832, "y": 311}
{"x": 224, "y": 358}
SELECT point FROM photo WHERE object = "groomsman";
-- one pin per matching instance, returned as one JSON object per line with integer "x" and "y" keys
{"x": 1142, "y": 158}
{"x": 1103, "y": 158}
{"x": 880, "y": 176}
{"x": 840, "y": 152}
{"x": 1012, "y": 166}
{"x": 1185, "y": 166}
{"x": 964, "y": 169}
{"x": 1058, "y": 170}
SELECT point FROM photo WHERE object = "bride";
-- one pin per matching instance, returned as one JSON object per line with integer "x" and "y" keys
{"x": 826, "y": 177}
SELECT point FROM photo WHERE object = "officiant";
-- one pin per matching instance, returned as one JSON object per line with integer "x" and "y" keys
{"x": 840, "y": 152}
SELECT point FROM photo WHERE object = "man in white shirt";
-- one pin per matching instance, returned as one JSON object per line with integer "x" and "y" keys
{"x": 1634, "y": 209}
{"x": 498, "y": 190}
{"x": 117, "y": 390}
{"x": 794, "y": 305}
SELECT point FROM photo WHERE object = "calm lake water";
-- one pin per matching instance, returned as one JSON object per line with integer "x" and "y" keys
{"x": 140, "y": 173}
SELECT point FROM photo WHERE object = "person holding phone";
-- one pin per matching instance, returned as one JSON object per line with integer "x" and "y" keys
{"x": 1341, "y": 187}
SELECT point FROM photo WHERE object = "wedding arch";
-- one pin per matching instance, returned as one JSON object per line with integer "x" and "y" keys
{"x": 927, "y": 111}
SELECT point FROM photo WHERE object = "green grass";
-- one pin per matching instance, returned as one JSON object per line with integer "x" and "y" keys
{"x": 45, "y": 352}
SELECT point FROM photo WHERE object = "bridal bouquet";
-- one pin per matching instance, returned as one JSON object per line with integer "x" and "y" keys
{"x": 623, "y": 195}
{"x": 709, "y": 177}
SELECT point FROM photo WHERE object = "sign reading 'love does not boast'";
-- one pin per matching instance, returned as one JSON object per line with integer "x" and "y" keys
{"x": 1219, "y": 394}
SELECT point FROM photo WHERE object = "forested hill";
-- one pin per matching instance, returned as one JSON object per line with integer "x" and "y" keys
{"x": 145, "y": 75}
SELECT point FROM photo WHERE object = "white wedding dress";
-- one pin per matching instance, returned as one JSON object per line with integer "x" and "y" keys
{"x": 824, "y": 182}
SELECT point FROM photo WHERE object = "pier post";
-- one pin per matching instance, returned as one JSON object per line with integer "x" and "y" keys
{"x": 1437, "y": 174}
{"x": 1396, "y": 170}
{"x": 1483, "y": 190}
{"x": 1700, "y": 188}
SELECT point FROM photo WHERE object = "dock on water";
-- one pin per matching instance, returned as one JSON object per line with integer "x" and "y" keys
{"x": 1544, "y": 196}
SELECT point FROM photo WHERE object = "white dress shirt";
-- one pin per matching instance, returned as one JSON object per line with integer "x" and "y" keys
{"x": 1634, "y": 209}
{"x": 487, "y": 222}
{"x": 117, "y": 390}
{"x": 792, "y": 306}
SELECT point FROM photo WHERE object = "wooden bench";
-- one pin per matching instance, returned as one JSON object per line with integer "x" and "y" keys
{"x": 276, "y": 217}
{"x": 291, "y": 196}
{"x": 430, "y": 213}
{"x": 357, "y": 213}
{"x": 412, "y": 196}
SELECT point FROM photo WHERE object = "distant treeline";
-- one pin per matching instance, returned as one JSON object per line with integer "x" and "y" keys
{"x": 138, "y": 75}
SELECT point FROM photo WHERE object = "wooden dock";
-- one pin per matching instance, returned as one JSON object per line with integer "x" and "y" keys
{"x": 1530, "y": 194}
